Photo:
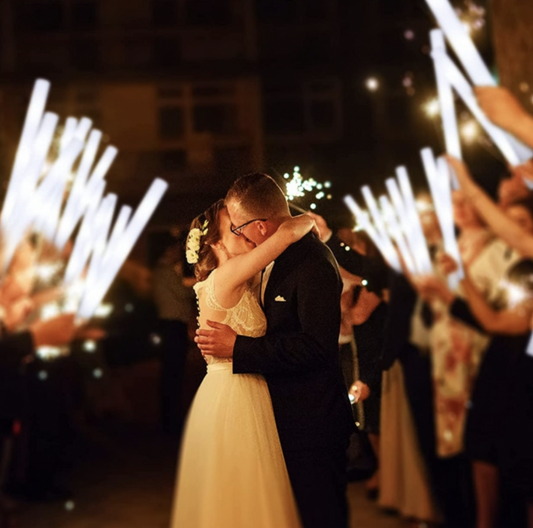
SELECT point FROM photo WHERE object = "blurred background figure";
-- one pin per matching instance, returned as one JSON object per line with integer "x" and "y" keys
{"x": 175, "y": 302}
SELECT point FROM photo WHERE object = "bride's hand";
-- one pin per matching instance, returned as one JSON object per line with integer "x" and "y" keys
{"x": 322, "y": 226}
{"x": 299, "y": 226}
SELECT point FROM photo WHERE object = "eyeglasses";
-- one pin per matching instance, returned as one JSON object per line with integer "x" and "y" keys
{"x": 237, "y": 231}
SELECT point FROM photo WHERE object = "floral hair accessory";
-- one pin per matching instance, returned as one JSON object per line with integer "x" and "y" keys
{"x": 193, "y": 243}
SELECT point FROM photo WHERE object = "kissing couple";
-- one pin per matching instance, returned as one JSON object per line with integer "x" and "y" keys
{"x": 266, "y": 436}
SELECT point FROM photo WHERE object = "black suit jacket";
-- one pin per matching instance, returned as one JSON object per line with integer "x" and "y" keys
{"x": 373, "y": 269}
{"x": 299, "y": 355}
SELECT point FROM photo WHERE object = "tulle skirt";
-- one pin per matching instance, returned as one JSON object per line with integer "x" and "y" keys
{"x": 231, "y": 471}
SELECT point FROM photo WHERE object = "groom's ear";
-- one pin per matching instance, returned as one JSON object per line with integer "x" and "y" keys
{"x": 262, "y": 228}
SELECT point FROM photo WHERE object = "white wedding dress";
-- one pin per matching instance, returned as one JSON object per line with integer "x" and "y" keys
{"x": 231, "y": 472}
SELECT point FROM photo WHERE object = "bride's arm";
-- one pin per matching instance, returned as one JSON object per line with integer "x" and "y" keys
{"x": 235, "y": 272}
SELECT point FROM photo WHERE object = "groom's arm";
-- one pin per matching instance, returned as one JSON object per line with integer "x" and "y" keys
{"x": 314, "y": 345}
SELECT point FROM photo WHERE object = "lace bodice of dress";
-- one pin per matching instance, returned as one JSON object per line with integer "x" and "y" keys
{"x": 246, "y": 317}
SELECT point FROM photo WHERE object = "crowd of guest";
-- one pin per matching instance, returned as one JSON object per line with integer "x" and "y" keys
{"x": 441, "y": 365}
{"x": 57, "y": 377}
{"x": 436, "y": 369}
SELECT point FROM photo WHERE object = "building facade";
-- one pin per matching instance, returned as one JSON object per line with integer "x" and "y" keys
{"x": 201, "y": 91}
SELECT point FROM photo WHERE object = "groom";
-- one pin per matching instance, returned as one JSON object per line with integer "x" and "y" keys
{"x": 298, "y": 356}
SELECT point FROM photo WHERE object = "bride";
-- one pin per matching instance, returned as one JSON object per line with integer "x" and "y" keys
{"x": 232, "y": 472}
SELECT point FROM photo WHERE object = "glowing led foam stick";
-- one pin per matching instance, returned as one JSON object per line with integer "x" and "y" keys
{"x": 96, "y": 259}
{"x": 49, "y": 194}
{"x": 115, "y": 256}
{"x": 406, "y": 222}
{"x": 24, "y": 152}
{"x": 15, "y": 228}
{"x": 469, "y": 56}
{"x": 82, "y": 246}
{"x": 461, "y": 42}
{"x": 378, "y": 220}
{"x": 419, "y": 247}
{"x": 529, "y": 349}
{"x": 120, "y": 225}
{"x": 68, "y": 133}
{"x": 82, "y": 129}
{"x": 439, "y": 184}
{"x": 104, "y": 163}
{"x": 463, "y": 88}
{"x": 77, "y": 201}
{"x": 40, "y": 150}
{"x": 364, "y": 222}
{"x": 450, "y": 241}
{"x": 416, "y": 234}
{"x": 389, "y": 216}
{"x": 446, "y": 103}
{"x": 100, "y": 234}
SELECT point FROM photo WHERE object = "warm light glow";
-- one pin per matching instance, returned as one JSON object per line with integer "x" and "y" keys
{"x": 89, "y": 346}
{"x": 372, "y": 84}
{"x": 469, "y": 131}
{"x": 432, "y": 108}
{"x": 104, "y": 310}
{"x": 45, "y": 272}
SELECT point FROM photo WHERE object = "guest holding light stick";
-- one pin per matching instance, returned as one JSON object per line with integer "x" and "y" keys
{"x": 505, "y": 111}
{"x": 499, "y": 429}
{"x": 503, "y": 226}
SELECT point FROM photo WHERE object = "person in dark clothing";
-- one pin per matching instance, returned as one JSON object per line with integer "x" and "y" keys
{"x": 499, "y": 427}
{"x": 450, "y": 479}
{"x": 175, "y": 303}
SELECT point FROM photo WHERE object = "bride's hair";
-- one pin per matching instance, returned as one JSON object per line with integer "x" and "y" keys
{"x": 207, "y": 223}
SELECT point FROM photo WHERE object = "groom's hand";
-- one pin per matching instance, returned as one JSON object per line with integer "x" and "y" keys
{"x": 218, "y": 342}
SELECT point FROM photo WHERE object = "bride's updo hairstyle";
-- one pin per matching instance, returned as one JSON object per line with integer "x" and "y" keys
{"x": 204, "y": 232}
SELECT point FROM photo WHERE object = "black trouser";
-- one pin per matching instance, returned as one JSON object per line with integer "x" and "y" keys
{"x": 173, "y": 348}
{"x": 318, "y": 479}
{"x": 451, "y": 478}
{"x": 50, "y": 421}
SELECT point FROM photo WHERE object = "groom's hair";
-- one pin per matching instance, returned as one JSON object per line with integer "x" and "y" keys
{"x": 259, "y": 196}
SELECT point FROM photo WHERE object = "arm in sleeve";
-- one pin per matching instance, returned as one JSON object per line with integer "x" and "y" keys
{"x": 373, "y": 269}
{"x": 398, "y": 322}
{"x": 314, "y": 344}
{"x": 461, "y": 310}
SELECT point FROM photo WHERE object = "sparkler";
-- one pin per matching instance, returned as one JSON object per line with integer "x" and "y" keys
{"x": 297, "y": 187}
